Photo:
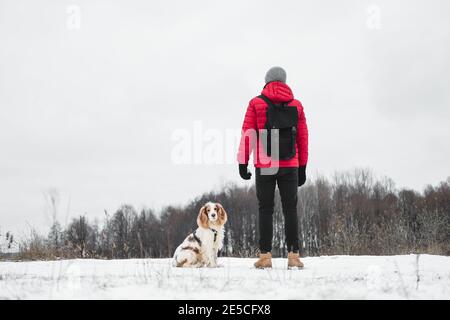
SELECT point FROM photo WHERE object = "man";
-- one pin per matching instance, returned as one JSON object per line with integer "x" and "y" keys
{"x": 275, "y": 102}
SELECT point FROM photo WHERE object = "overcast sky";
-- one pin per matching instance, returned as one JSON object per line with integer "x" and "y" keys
{"x": 91, "y": 93}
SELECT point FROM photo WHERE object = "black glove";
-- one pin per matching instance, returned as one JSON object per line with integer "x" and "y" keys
{"x": 243, "y": 172}
{"x": 301, "y": 175}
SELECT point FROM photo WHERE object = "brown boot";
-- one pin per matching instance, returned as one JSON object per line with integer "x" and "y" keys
{"x": 264, "y": 261}
{"x": 294, "y": 261}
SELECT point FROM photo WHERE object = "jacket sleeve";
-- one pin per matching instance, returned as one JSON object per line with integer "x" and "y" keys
{"x": 302, "y": 138}
{"x": 248, "y": 134}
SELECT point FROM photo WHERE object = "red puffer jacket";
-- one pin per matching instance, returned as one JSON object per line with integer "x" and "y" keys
{"x": 255, "y": 119}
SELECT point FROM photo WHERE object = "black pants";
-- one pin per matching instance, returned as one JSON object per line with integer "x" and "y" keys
{"x": 287, "y": 181}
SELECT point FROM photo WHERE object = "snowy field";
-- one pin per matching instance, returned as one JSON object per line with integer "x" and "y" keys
{"x": 328, "y": 277}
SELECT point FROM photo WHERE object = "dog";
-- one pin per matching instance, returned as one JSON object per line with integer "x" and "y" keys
{"x": 200, "y": 248}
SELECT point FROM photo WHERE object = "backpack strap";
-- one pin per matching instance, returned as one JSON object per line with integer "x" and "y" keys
{"x": 267, "y": 100}
{"x": 271, "y": 104}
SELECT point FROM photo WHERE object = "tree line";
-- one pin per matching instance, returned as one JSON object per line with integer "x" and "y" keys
{"x": 353, "y": 214}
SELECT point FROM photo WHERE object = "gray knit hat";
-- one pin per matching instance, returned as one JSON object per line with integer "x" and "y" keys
{"x": 276, "y": 74}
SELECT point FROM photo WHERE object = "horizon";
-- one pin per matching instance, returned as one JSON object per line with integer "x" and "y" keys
{"x": 45, "y": 228}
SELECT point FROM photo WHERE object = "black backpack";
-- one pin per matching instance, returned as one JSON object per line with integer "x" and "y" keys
{"x": 280, "y": 128}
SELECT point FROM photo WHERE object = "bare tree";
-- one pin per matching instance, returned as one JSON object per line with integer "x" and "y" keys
{"x": 78, "y": 234}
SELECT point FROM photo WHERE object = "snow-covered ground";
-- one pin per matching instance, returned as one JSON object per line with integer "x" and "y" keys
{"x": 328, "y": 277}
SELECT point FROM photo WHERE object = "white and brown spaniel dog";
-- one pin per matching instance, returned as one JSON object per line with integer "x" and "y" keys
{"x": 200, "y": 248}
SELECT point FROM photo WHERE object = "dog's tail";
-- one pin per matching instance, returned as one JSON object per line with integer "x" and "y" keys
{"x": 181, "y": 264}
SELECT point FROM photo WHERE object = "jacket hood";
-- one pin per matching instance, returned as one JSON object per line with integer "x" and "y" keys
{"x": 278, "y": 92}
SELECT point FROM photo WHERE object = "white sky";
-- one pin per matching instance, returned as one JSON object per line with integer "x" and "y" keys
{"x": 90, "y": 112}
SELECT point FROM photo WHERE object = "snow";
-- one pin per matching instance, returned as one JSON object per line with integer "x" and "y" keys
{"x": 326, "y": 277}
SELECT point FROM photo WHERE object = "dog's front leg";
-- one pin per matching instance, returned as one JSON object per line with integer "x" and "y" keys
{"x": 212, "y": 261}
{"x": 216, "y": 258}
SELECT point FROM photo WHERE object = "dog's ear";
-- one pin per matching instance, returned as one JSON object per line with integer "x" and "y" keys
{"x": 202, "y": 219}
{"x": 222, "y": 214}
